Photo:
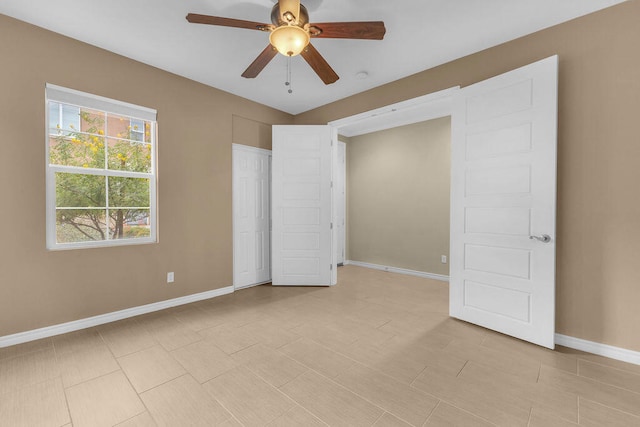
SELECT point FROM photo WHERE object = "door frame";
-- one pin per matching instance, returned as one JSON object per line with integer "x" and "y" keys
{"x": 427, "y": 107}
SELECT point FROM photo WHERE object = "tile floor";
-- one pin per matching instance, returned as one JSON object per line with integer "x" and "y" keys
{"x": 376, "y": 350}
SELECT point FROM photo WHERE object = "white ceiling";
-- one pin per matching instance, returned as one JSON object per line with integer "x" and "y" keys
{"x": 421, "y": 34}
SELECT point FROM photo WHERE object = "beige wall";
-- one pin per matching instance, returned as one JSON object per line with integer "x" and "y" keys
{"x": 598, "y": 228}
{"x": 251, "y": 132}
{"x": 40, "y": 288}
{"x": 398, "y": 196}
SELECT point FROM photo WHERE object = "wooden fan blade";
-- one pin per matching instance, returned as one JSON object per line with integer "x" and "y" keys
{"x": 373, "y": 30}
{"x": 319, "y": 65}
{"x": 194, "y": 18}
{"x": 260, "y": 62}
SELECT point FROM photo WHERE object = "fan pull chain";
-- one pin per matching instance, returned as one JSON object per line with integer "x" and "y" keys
{"x": 288, "y": 79}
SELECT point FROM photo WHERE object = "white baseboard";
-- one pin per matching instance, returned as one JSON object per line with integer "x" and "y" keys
{"x": 423, "y": 274}
{"x": 101, "y": 319}
{"x": 605, "y": 350}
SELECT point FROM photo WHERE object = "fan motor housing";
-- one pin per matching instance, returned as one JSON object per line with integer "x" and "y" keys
{"x": 276, "y": 16}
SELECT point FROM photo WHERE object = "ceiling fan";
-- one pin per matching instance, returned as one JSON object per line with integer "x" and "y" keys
{"x": 291, "y": 32}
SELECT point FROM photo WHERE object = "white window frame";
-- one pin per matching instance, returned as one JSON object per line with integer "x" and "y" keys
{"x": 94, "y": 102}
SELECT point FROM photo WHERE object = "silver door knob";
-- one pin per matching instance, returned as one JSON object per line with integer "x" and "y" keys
{"x": 545, "y": 238}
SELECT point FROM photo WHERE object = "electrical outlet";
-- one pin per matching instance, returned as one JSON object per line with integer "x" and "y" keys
{"x": 170, "y": 277}
{"x": 443, "y": 259}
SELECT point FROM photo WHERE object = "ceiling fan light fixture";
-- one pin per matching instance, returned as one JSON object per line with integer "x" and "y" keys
{"x": 289, "y": 40}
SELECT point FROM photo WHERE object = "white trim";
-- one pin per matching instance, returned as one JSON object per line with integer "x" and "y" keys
{"x": 82, "y": 99}
{"x": 605, "y": 350}
{"x": 406, "y": 271}
{"x": 422, "y": 108}
{"x": 101, "y": 319}
{"x": 100, "y": 172}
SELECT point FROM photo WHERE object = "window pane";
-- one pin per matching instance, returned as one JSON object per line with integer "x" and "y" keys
{"x": 76, "y": 136}
{"x": 80, "y": 225}
{"x": 77, "y": 149}
{"x": 128, "y": 192}
{"x": 129, "y": 156}
{"x": 70, "y": 117}
{"x": 128, "y": 128}
{"x": 54, "y": 117}
{"x": 92, "y": 121}
{"x": 137, "y": 130}
{"x": 80, "y": 191}
{"x": 63, "y": 119}
{"x": 129, "y": 223}
{"x": 132, "y": 195}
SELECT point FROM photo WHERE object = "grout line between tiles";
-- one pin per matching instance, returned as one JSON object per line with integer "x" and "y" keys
{"x": 578, "y": 410}
{"x": 379, "y": 418}
{"x": 467, "y": 411}
{"x": 530, "y": 415}
{"x": 66, "y": 401}
{"x": 219, "y": 403}
{"x": 354, "y": 392}
{"x": 599, "y": 382}
{"x": 136, "y": 415}
{"x": 277, "y": 389}
{"x": 232, "y": 416}
{"x": 433, "y": 411}
{"x": 462, "y": 369}
{"x": 418, "y": 376}
{"x": 606, "y": 406}
{"x": 613, "y": 368}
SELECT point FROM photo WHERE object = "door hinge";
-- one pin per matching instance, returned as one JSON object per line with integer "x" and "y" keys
{"x": 331, "y": 227}
{"x": 331, "y": 184}
{"x": 330, "y": 266}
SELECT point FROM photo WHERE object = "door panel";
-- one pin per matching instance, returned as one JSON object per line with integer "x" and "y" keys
{"x": 302, "y": 206}
{"x": 503, "y": 191}
{"x": 251, "y": 216}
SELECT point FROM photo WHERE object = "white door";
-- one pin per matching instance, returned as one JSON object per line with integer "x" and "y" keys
{"x": 251, "y": 216}
{"x": 340, "y": 193}
{"x": 503, "y": 203}
{"x": 301, "y": 206}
